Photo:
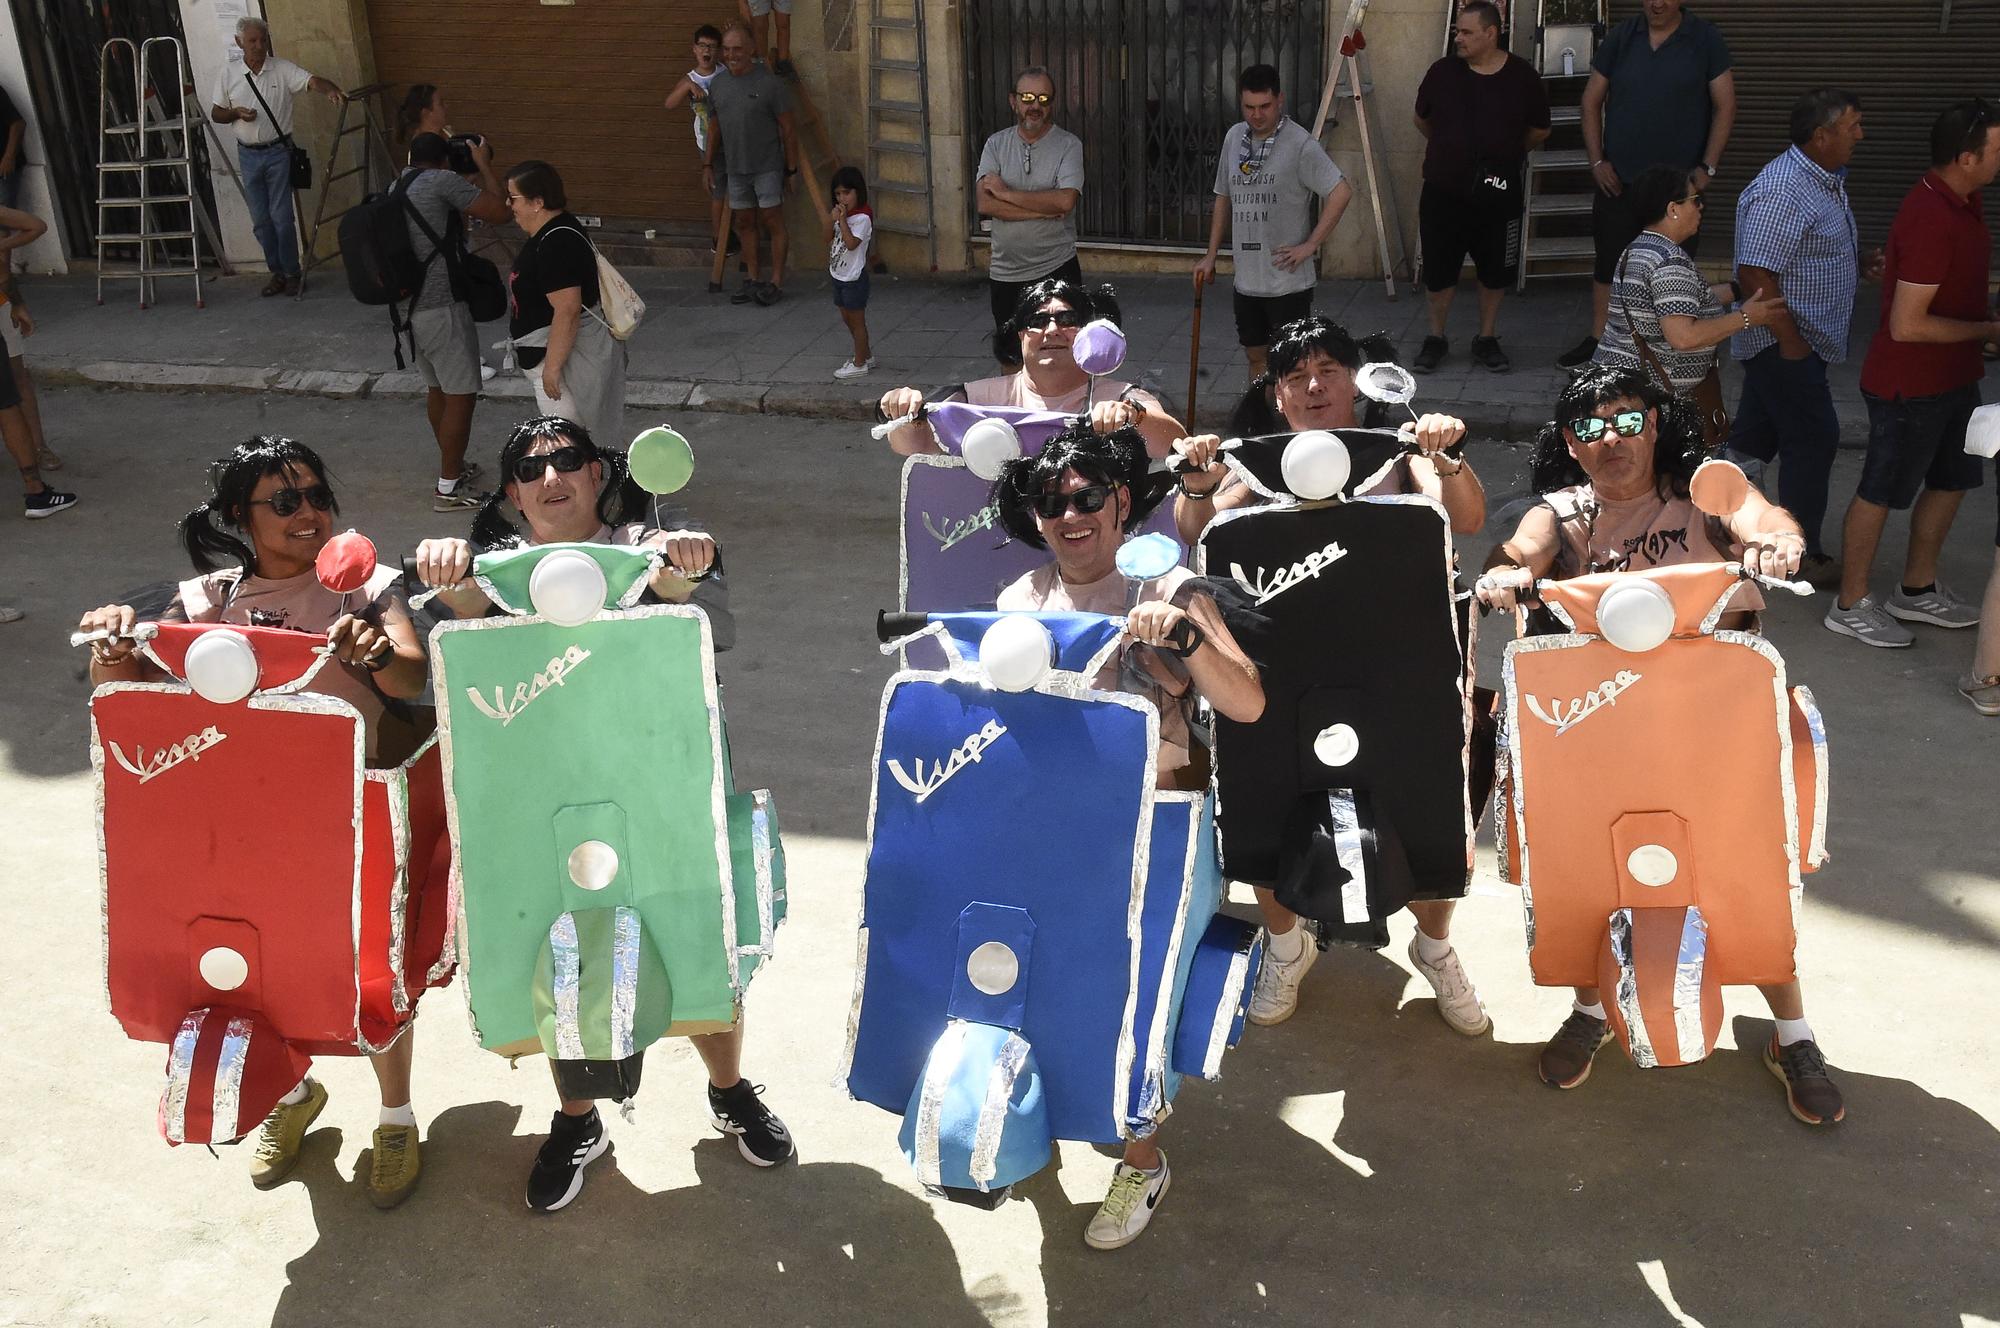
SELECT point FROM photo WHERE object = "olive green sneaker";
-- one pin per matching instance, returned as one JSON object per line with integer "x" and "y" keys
{"x": 398, "y": 1162}
{"x": 276, "y": 1151}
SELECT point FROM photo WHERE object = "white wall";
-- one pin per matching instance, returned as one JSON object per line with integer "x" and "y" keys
{"x": 46, "y": 254}
{"x": 210, "y": 27}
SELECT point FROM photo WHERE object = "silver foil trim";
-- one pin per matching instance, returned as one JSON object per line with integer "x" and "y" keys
{"x": 565, "y": 983}
{"x": 627, "y": 598}
{"x": 1721, "y": 606}
{"x": 1627, "y": 992}
{"x": 1688, "y": 1032}
{"x": 298, "y": 684}
{"x": 1346, "y": 820}
{"x": 1808, "y": 704}
{"x": 854, "y": 1006}
{"x": 945, "y": 1055}
{"x": 760, "y": 854}
{"x": 1509, "y": 745}
{"x": 1153, "y": 1100}
{"x": 229, "y": 1080}
{"x": 625, "y": 931}
{"x": 180, "y": 1066}
{"x": 1232, "y": 990}
{"x": 1787, "y": 785}
{"x": 396, "y": 788}
{"x": 993, "y": 1111}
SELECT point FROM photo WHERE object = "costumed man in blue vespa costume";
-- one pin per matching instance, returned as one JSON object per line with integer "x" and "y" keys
{"x": 1041, "y": 953}
{"x": 622, "y": 891}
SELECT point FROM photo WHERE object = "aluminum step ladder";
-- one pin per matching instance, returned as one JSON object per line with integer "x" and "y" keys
{"x": 146, "y": 195}
{"x": 1555, "y": 229}
{"x": 374, "y": 164}
{"x": 899, "y": 122}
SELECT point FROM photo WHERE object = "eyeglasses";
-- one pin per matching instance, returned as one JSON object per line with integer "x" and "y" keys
{"x": 1034, "y": 98}
{"x": 1626, "y": 424}
{"x": 1041, "y": 318}
{"x": 1087, "y": 500}
{"x": 1699, "y": 200}
{"x": 566, "y": 460}
{"x": 286, "y": 501}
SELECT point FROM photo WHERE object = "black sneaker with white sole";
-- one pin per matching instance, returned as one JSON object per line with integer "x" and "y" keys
{"x": 47, "y": 503}
{"x": 761, "y": 1137}
{"x": 574, "y": 1143}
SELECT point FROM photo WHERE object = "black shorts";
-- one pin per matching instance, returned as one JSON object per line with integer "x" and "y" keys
{"x": 1612, "y": 227}
{"x": 1006, "y": 295}
{"x": 1454, "y": 223}
{"x": 1917, "y": 443}
{"x": 1259, "y": 317}
{"x": 10, "y": 391}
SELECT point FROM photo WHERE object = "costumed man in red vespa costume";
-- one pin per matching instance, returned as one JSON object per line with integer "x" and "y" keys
{"x": 254, "y": 817}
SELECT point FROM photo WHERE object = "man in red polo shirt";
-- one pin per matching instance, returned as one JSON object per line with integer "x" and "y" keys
{"x": 1921, "y": 383}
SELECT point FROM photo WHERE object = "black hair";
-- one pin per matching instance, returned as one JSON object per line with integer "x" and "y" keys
{"x": 1961, "y": 128}
{"x": 1257, "y": 78}
{"x": 708, "y": 32}
{"x": 1677, "y": 441}
{"x": 1653, "y": 190}
{"x": 620, "y": 500}
{"x": 231, "y": 481}
{"x": 1100, "y": 302}
{"x": 415, "y": 102}
{"x": 1818, "y": 109}
{"x": 1116, "y": 458}
{"x": 1488, "y": 12}
{"x": 430, "y": 150}
{"x": 850, "y": 177}
{"x": 1257, "y": 412}
{"x": 538, "y": 179}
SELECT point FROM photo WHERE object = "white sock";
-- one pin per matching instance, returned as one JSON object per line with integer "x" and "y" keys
{"x": 298, "y": 1094}
{"x": 398, "y": 1116}
{"x": 1429, "y": 948}
{"x": 1286, "y": 946}
{"x": 1793, "y": 1030}
{"x": 1594, "y": 1011}
{"x": 448, "y": 486}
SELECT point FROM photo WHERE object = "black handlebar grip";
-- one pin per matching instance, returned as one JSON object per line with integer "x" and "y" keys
{"x": 410, "y": 576}
{"x": 891, "y": 626}
{"x": 1187, "y": 637}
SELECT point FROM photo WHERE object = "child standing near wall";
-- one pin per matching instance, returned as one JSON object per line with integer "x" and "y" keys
{"x": 849, "y": 226}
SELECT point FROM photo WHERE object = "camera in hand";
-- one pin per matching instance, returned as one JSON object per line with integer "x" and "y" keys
{"x": 458, "y": 152}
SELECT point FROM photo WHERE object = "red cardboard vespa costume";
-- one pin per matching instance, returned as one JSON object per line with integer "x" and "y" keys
{"x": 272, "y": 890}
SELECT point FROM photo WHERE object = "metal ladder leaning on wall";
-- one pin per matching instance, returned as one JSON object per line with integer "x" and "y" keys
{"x": 899, "y": 122}
{"x": 357, "y": 116}
{"x": 1556, "y": 229}
{"x": 139, "y": 142}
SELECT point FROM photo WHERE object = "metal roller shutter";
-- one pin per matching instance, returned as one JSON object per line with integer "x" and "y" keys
{"x": 578, "y": 86}
{"x": 1905, "y": 59}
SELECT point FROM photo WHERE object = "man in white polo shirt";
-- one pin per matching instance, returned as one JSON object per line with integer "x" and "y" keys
{"x": 256, "y": 97}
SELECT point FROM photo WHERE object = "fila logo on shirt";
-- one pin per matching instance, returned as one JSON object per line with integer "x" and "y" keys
{"x": 149, "y": 768}
{"x": 966, "y": 753}
{"x": 1566, "y": 715}
{"x": 507, "y": 709}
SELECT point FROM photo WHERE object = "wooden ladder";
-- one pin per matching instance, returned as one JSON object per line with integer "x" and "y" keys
{"x": 806, "y": 119}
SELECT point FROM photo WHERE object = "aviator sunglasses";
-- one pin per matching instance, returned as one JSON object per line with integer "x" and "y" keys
{"x": 284, "y": 502}
{"x": 1087, "y": 500}
{"x": 1626, "y": 424}
{"x": 567, "y": 461}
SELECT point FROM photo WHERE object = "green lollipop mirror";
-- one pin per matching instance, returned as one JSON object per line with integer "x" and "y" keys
{"x": 661, "y": 460}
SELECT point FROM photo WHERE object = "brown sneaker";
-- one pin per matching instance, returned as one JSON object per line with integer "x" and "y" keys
{"x": 1808, "y": 1090}
{"x": 275, "y": 286}
{"x": 279, "y": 1138}
{"x": 397, "y": 1163}
{"x": 1565, "y": 1062}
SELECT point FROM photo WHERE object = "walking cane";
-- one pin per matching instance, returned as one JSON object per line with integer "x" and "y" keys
{"x": 1194, "y": 351}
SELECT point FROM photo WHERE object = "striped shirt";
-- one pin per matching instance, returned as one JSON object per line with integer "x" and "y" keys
{"x": 1655, "y": 279}
{"x": 1794, "y": 220}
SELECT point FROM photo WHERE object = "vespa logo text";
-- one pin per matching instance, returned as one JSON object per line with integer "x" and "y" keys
{"x": 189, "y": 748}
{"x": 506, "y": 709}
{"x": 967, "y": 753}
{"x": 1268, "y": 587}
{"x": 1567, "y": 715}
{"x": 986, "y": 518}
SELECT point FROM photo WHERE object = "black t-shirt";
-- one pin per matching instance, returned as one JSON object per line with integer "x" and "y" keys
{"x": 1479, "y": 122}
{"x": 8, "y": 115}
{"x": 555, "y": 258}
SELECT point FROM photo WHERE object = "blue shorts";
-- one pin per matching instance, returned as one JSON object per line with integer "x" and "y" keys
{"x": 851, "y": 294}
{"x": 1917, "y": 443}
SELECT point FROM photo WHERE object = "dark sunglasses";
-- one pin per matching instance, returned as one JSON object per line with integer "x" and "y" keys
{"x": 1626, "y": 424}
{"x": 1087, "y": 500}
{"x": 566, "y": 460}
{"x": 1040, "y": 319}
{"x": 287, "y": 501}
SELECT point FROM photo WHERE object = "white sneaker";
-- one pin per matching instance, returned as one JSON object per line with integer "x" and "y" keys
{"x": 1458, "y": 1004}
{"x": 853, "y": 370}
{"x": 1128, "y": 1207}
{"x": 8, "y": 613}
{"x": 487, "y": 373}
{"x": 1277, "y": 996}
{"x": 1936, "y": 606}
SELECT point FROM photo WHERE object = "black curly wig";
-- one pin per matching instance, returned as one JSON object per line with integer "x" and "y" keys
{"x": 1092, "y": 302}
{"x": 1677, "y": 445}
{"x": 1256, "y": 415}
{"x": 1117, "y": 458}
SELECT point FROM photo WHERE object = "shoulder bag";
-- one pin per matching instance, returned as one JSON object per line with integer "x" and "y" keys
{"x": 302, "y": 165}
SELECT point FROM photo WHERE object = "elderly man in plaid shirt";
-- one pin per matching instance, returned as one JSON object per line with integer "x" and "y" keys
{"x": 1795, "y": 236}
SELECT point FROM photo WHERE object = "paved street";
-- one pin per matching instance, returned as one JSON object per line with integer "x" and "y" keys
{"x": 1360, "y": 1164}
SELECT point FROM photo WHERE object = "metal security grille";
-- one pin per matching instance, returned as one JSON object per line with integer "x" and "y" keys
{"x": 1150, "y": 88}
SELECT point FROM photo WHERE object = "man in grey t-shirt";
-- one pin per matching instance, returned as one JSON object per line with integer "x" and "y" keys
{"x": 760, "y": 156}
{"x": 1030, "y": 177}
{"x": 442, "y": 333}
{"x": 1269, "y": 173}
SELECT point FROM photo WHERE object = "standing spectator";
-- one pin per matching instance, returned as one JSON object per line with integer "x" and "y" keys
{"x": 15, "y": 329}
{"x": 13, "y": 151}
{"x": 757, "y": 14}
{"x": 692, "y": 91}
{"x": 1795, "y": 237}
{"x": 38, "y": 499}
{"x": 1982, "y": 685}
{"x": 759, "y": 150}
{"x": 1921, "y": 384}
{"x": 442, "y": 333}
{"x": 1482, "y": 111}
{"x": 1270, "y": 171}
{"x": 1660, "y": 91}
{"x": 256, "y": 97}
{"x": 1030, "y": 177}
{"x": 849, "y": 227}
{"x": 561, "y": 342}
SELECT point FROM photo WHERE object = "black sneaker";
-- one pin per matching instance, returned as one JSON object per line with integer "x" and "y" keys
{"x": 574, "y": 1143}
{"x": 1486, "y": 353}
{"x": 1565, "y": 1061}
{"x": 1809, "y": 1090}
{"x": 786, "y": 70}
{"x": 768, "y": 294}
{"x": 744, "y": 293}
{"x": 47, "y": 503}
{"x": 761, "y": 1137}
{"x": 1432, "y": 354}
{"x": 1578, "y": 355}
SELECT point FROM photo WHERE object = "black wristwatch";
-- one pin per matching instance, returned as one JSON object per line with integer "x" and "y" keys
{"x": 1736, "y": 289}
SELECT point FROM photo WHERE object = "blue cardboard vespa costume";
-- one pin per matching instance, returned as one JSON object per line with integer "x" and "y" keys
{"x": 1006, "y": 999}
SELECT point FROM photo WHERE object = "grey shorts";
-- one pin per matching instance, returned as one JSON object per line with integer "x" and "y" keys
{"x": 447, "y": 348}
{"x": 759, "y": 8}
{"x": 766, "y": 189}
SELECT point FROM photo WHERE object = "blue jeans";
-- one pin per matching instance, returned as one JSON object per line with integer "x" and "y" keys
{"x": 267, "y": 180}
{"x": 1786, "y": 415}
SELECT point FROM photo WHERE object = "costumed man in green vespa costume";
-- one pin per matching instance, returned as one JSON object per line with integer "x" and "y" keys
{"x": 625, "y": 892}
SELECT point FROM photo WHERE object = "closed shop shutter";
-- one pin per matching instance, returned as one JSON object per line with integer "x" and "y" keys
{"x": 578, "y": 86}
{"x": 1893, "y": 54}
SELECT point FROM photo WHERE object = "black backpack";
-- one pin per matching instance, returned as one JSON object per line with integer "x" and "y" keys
{"x": 382, "y": 265}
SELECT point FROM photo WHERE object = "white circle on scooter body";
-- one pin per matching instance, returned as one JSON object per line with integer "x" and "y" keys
{"x": 993, "y": 968}
{"x": 221, "y": 666}
{"x": 567, "y": 587}
{"x": 987, "y": 446}
{"x": 1635, "y": 615}
{"x": 223, "y": 968}
{"x": 593, "y": 864}
{"x": 1653, "y": 865}
{"x": 1017, "y": 652}
{"x": 1337, "y": 744}
{"x": 1316, "y": 465}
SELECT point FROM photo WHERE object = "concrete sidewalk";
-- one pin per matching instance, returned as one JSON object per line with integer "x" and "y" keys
{"x": 697, "y": 350}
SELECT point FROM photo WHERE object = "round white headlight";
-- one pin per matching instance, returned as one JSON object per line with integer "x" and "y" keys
{"x": 567, "y": 588}
{"x": 222, "y": 666}
{"x": 988, "y": 446}
{"x": 1316, "y": 465}
{"x": 1017, "y": 653}
{"x": 1635, "y": 615}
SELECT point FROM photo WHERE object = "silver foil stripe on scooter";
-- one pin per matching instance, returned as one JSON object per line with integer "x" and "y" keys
{"x": 1627, "y": 992}
{"x": 1688, "y": 968}
{"x": 180, "y": 1066}
{"x": 1225, "y": 1009}
{"x": 938, "y": 1074}
{"x": 1346, "y": 820}
{"x": 993, "y": 1111}
{"x": 227, "y": 1103}
{"x": 625, "y": 928}
{"x": 565, "y": 977}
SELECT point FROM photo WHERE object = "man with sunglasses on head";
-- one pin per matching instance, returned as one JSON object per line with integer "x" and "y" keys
{"x": 567, "y": 489}
{"x": 1270, "y": 172}
{"x": 1029, "y": 180}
